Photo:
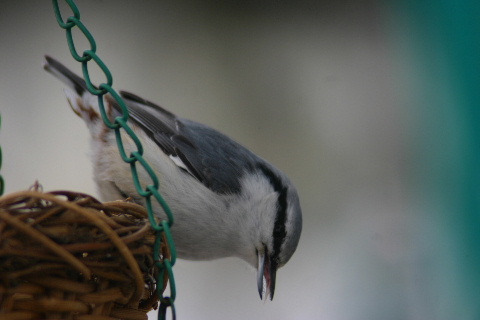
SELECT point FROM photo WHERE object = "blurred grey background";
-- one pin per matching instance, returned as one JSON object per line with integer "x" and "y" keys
{"x": 362, "y": 103}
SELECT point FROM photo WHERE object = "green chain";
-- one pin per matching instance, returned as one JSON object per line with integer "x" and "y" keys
{"x": 2, "y": 182}
{"x": 164, "y": 264}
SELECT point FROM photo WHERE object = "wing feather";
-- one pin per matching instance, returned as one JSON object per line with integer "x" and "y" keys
{"x": 208, "y": 155}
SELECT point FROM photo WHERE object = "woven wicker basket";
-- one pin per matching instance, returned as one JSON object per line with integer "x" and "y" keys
{"x": 65, "y": 255}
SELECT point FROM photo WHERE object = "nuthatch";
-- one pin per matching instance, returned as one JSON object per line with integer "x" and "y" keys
{"x": 226, "y": 200}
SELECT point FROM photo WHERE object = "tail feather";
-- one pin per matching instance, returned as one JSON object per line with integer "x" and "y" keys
{"x": 65, "y": 75}
{"x": 82, "y": 102}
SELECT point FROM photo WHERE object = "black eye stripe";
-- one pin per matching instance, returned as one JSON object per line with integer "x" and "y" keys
{"x": 279, "y": 229}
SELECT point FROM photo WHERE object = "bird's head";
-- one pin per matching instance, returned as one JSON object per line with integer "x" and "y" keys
{"x": 277, "y": 229}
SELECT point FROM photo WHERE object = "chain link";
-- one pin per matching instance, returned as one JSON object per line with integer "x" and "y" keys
{"x": 164, "y": 262}
{"x": 2, "y": 182}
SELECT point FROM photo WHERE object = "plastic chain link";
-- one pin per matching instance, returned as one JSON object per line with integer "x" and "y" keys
{"x": 164, "y": 264}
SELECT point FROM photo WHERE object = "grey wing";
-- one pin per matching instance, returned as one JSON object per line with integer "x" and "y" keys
{"x": 208, "y": 155}
{"x": 211, "y": 157}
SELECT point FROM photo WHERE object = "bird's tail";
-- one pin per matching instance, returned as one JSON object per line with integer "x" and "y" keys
{"x": 82, "y": 102}
{"x": 65, "y": 75}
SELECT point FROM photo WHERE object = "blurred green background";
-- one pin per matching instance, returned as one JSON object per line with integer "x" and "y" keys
{"x": 371, "y": 108}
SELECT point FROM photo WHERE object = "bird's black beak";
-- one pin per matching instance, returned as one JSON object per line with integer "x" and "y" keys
{"x": 266, "y": 274}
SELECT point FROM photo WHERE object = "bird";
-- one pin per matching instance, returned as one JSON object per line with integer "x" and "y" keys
{"x": 226, "y": 200}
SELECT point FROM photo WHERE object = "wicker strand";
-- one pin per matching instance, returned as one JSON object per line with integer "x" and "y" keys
{"x": 65, "y": 255}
